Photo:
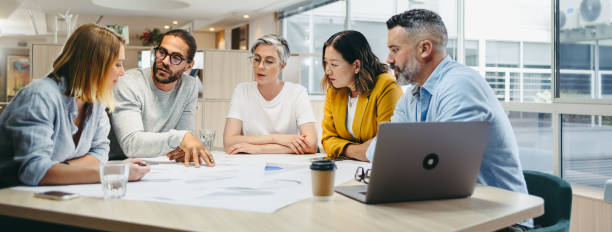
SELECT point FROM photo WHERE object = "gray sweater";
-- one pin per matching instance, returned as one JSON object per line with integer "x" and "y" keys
{"x": 149, "y": 122}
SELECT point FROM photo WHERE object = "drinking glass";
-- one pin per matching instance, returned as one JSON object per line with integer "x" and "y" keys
{"x": 207, "y": 138}
{"x": 114, "y": 177}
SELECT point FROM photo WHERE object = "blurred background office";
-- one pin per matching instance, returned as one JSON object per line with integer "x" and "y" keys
{"x": 548, "y": 61}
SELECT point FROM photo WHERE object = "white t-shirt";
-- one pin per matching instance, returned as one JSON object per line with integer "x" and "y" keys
{"x": 282, "y": 115}
{"x": 351, "y": 106}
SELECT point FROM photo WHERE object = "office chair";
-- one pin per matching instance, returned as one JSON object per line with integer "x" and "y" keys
{"x": 557, "y": 195}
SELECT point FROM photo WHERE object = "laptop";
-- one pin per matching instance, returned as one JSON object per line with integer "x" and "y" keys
{"x": 423, "y": 161}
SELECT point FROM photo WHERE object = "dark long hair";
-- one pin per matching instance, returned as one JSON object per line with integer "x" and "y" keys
{"x": 354, "y": 46}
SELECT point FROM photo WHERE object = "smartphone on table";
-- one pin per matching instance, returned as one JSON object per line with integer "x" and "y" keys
{"x": 56, "y": 195}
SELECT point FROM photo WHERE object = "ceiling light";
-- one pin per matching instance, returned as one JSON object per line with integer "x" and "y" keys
{"x": 246, "y": 16}
{"x": 166, "y": 27}
{"x": 211, "y": 29}
{"x": 174, "y": 22}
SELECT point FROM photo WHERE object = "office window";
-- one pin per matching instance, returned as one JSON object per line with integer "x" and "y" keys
{"x": 605, "y": 56}
{"x": 576, "y": 64}
{"x": 451, "y": 48}
{"x": 515, "y": 87}
{"x": 297, "y": 33}
{"x": 376, "y": 34}
{"x": 145, "y": 59}
{"x": 500, "y": 80}
{"x": 575, "y": 56}
{"x": 537, "y": 87}
{"x": 534, "y": 136}
{"x": 536, "y": 55}
{"x": 371, "y": 20}
{"x": 586, "y": 149}
{"x": 312, "y": 73}
{"x": 306, "y": 32}
{"x": 497, "y": 81}
{"x": 509, "y": 37}
{"x": 575, "y": 85}
{"x": 503, "y": 54}
{"x": 605, "y": 69}
{"x": 606, "y": 85}
{"x": 471, "y": 53}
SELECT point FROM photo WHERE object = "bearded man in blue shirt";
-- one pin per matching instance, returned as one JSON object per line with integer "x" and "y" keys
{"x": 446, "y": 91}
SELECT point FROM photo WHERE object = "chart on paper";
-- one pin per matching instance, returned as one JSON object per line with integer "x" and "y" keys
{"x": 260, "y": 183}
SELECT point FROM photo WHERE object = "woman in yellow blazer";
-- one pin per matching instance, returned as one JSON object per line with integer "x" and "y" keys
{"x": 363, "y": 95}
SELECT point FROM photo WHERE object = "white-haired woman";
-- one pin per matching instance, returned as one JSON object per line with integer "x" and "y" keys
{"x": 269, "y": 115}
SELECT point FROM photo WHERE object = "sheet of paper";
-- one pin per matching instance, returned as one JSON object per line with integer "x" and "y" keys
{"x": 260, "y": 183}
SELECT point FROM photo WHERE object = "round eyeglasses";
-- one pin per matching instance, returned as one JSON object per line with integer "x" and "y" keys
{"x": 256, "y": 61}
{"x": 363, "y": 175}
{"x": 175, "y": 58}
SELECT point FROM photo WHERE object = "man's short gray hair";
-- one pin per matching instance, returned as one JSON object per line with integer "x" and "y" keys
{"x": 279, "y": 43}
{"x": 422, "y": 22}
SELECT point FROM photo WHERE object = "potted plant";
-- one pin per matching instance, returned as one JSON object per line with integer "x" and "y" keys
{"x": 150, "y": 37}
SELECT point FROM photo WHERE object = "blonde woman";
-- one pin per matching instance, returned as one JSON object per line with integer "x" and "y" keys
{"x": 55, "y": 130}
{"x": 269, "y": 115}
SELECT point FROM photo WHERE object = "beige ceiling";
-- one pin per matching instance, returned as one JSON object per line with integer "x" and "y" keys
{"x": 202, "y": 12}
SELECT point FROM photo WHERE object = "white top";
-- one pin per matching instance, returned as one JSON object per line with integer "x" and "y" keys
{"x": 351, "y": 105}
{"x": 281, "y": 115}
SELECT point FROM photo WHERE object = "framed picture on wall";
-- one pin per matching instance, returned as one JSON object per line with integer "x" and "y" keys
{"x": 17, "y": 74}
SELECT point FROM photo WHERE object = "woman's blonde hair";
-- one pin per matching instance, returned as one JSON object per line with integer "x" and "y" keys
{"x": 85, "y": 63}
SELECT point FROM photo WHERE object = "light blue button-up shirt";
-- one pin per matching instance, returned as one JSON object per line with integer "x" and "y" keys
{"x": 455, "y": 92}
{"x": 36, "y": 132}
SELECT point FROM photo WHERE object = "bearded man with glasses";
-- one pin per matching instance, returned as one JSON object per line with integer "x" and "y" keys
{"x": 155, "y": 111}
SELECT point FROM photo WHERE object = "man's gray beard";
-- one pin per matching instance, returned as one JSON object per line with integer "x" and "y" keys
{"x": 407, "y": 77}
{"x": 408, "y": 74}
{"x": 403, "y": 80}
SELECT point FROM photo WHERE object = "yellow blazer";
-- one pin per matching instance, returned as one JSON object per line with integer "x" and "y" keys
{"x": 372, "y": 108}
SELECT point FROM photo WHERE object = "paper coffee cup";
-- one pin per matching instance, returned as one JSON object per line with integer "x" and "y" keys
{"x": 323, "y": 173}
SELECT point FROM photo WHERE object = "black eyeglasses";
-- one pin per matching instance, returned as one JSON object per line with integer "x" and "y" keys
{"x": 175, "y": 58}
{"x": 363, "y": 175}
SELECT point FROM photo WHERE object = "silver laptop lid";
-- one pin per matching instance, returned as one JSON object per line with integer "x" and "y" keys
{"x": 426, "y": 160}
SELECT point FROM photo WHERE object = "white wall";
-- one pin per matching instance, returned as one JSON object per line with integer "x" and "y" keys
{"x": 262, "y": 26}
{"x": 204, "y": 39}
{"x": 259, "y": 26}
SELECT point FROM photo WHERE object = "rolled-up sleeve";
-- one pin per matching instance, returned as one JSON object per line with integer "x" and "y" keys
{"x": 100, "y": 145}
{"x": 30, "y": 125}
